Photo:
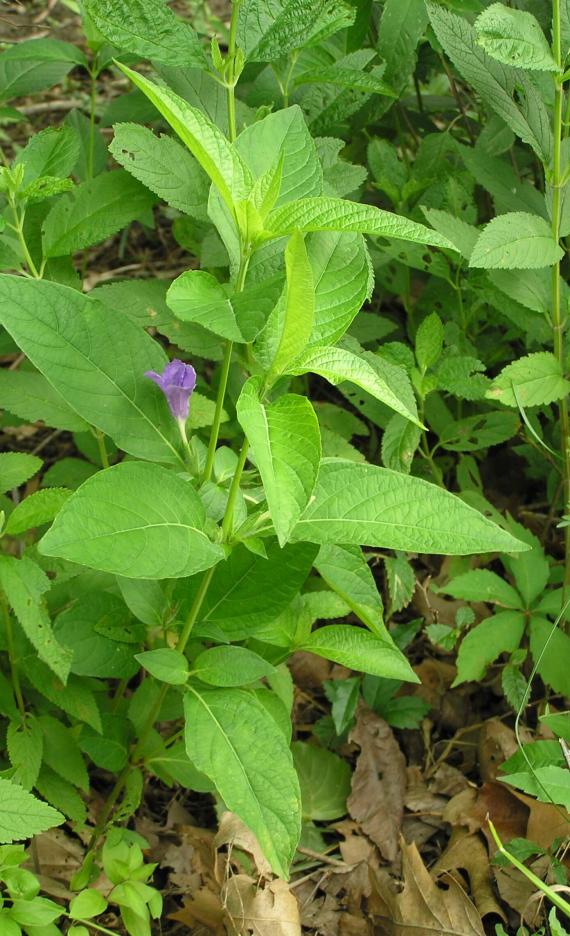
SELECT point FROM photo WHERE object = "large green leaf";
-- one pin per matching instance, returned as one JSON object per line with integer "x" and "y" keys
{"x": 325, "y": 781}
{"x": 163, "y": 166}
{"x": 292, "y": 326}
{"x": 346, "y": 571}
{"x": 16, "y": 468}
{"x": 147, "y": 28}
{"x": 51, "y": 152}
{"x": 501, "y": 633}
{"x": 96, "y": 360}
{"x": 337, "y": 214}
{"x": 233, "y": 739}
{"x": 249, "y": 591}
{"x": 22, "y": 815}
{"x": 533, "y": 380}
{"x": 25, "y": 584}
{"x": 401, "y": 27}
{"x": 365, "y": 371}
{"x": 343, "y": 279}
{"x": 218, "y": 158}
{"x": 286, "y": 443}
{"x": 28, "y": 395}
{"x": 508, "y": 91}
{"x": 516, "y": 241}
{"x": 550, "y": 648}
{"x": 36, "y": 64}
{"x": 360, "y": 650}
{"x": 270, "y": 30}
{"x": 514, "y": 37}
{"x": 283, "y": 134}
{"x": 364, "y": 505}
{"x": 136, "y": 520}
{"x": 93, "y": 211}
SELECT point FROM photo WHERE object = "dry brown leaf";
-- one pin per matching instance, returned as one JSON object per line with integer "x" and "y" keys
{"x": 471, "y": 808}
{"x": 546, "y": 822}
{"x": 516, "y": 891}
{"x": 203, "y": 912}
{"x": 497, "y": 742}
{"x": 253, "y": 911}
{"x": 422, "y": 906}
{"x": 378, "y": 782}
{"x": 468, "y": 853}
{"x": 234, "y": 833}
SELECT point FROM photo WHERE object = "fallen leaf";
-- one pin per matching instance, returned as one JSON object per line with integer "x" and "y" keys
{"x": 267, "y": 911}
{"x": 234, "y": 833}
{"x": 467, "y": 852}
{"x": 423, "y": 907}
{"x": 203, "y": 909}
{"x": 378, "y": 782}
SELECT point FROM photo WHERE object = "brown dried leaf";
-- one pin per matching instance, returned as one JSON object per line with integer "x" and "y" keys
{"x": 234, "y": 833}
{"x": 202, "y": 913}
{"x": 253, "y": 911}
{"x": 424, "y": 907}
{"x": 378, "y": 783}
{"x": 468, "y": 853}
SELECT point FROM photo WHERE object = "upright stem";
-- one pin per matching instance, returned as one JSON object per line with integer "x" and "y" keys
{"x": 93, "y": 75}
{"x": 230, "y": 75}
{"x": 227, "y": 524}
{"x": 558, "y": 322}
{"x": 18, "y": 226}
{"x": 12, "y": 657}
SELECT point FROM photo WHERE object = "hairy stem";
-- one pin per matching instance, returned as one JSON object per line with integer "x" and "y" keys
{"x": 227, "y": 524}
{"x": 558, "y": 322}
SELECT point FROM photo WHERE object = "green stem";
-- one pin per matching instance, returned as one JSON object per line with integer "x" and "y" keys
{"x": 91, "y": 925}
{"x": 558, "y": 321}
{"x": 15, "y": 676}
{"x": 227, "y": 524}
{"x": 18, "y": 226}
{"x": 93, "y": 74}
{"x": 230, "y": 77}
{"x": 100, "y": 436}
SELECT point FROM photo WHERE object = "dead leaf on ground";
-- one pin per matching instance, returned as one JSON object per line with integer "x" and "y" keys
{"x": 235, "y": 834}
{"x": 497, "y": 742}
{"x": 378, "y": 782}
{"x": 471, "y": 807}
{"x": 467, "y": 852}
{"x": 422, "y": 906}
{"x": 260, "y": 911}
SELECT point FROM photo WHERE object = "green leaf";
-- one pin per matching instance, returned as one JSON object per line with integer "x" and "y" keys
{"x": 514, "y": 37}
{"x": 87, "y": 351}
{"x": 146, "y": 600}
{"x": 283, "y": 134}
{"x": 346, "y": 571}
{"x": 35, "y": 64}
{"x": 28, "y": 395}
{"x": 286, "y": 444}
{"x": 509, "y": 92}
{"x": 501, "y": 633}
{"x": 137, "y": 520}
{"x": 16, "y": 468}
{"x": 62, "y": 795}
{"x": 298, "y": 316}
{"x": 401, "y": 581}
{"x": 324, "y": 778}
{"x": 61, "y": 752}
{"x": 346, "y": 78}
{"x": 25, "y": 585}
{"x": 399, "y": 443}
{"x": 75, "y": 698}
{"x": 163, "y": 166}
{"x": 359, "y": 649}
{"x": 483, "y": 585}
{"x": 36, "y": 509}
{"x": 559, "y": 723}
{"x": 84, "y": 629}
{"x": 536, "y": 378}
{"x": 22, "y": 815}
{"x": 93, "y": 211}
{"x": 362, "y": 505}
{"x": 516, "y": 241}
{"x": 147, "y": 28}
{"x": 337, "y": 214}
{"x": 429, "y": 341}
{"x": 550, "y": 646}
{"x": 343, "y": 281}
{"x": 166, "y": 665}
{"x": 550, "y": 784}
{"x": 217, "y": 157}
{"x": 461, "y": 234}
{"x": 230, "y": 666}
{"x": 172, "y": 764}
{"x": 401, "y": 27}
{"x": 232, "y": 738}
{"x": 24, "y": 743}
{"x": 365, "y": 371}
{"x": 248, "y": 591}
{"x": 86, "y": 905}
{"x": 530, "y": 570}
{"x": 51, "y": 152}
{"x": 477, "y": 432}
{"x": 532, "y": 288}
{"x": 270, "y": 31}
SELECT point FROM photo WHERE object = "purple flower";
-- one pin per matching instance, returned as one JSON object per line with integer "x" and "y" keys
{"x": 177, "y": 382}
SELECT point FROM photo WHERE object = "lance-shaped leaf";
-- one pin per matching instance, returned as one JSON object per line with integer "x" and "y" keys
{"x": 360, "y": 650}
{"x": 286, "y": 443}
{"x": 290, "y": 328}
{"x": 346, "y": 571}
{"x": 96, "y": 360}
{"x": 148, "y": 28}
{"x": 218, "y": 158}
{"x": 364, "y": 505}
{"x": 136, "y": 520}
{"x": 337, "y": 214}
{"x": 36, "y": 64}
{"x": 268, "y": 31}
{"x": 233, "y": 739}
{"x": 366, "y": 371}
{"x": 25, "y": 584}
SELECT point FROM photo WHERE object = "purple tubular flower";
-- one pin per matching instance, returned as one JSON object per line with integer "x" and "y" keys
{"x": 177, "y": 382}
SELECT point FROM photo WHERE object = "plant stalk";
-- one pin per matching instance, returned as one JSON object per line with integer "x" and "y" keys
{"x": 558, "y": 323}
{"x": 15, "y": 676}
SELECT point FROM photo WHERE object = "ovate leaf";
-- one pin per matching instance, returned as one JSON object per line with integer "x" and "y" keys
{"x": 286, "y": 443}
{"x": 230, "y": 666}
{"x": 96, "y": 360}
{"x": 362, "y": 505}
{"x": 550, "y": 648}
{"x": 325, "y": 782}
{"x": 514, "y": 37}
{"x": 533, "y": 380}
{"x": 22, "y": 815}
{"x": 483, "y": 585}
{"x": 25, "y": 585}
{"x": 360, "y": 650}
{"x": 336, "y": 214}
{"x": 36, "y": 509}
{"x": 232, "y": 738}
{"x": 93, "y": 211}
{"x": 501, "y": 633}
{"x": 165, "y": 664}
{"x": 346, "y": 571}
{"x": 516, "y": 241}
{"x": 147, "y": 28}
{"x": 16, "y": 468}
{"x": 28, "y": 395}
{"x": 136, "y": 520}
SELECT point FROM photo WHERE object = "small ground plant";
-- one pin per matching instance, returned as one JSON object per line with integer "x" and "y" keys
{"x": 347, "y": 375}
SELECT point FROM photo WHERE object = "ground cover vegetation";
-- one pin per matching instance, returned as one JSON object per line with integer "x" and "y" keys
{"x": 285, "y": 469}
